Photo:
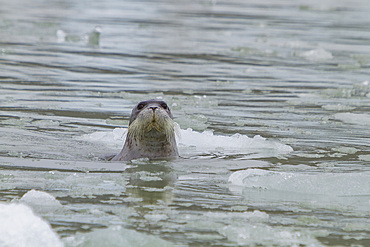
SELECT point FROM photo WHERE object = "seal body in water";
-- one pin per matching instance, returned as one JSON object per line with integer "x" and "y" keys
{"x": 150, "y": 134}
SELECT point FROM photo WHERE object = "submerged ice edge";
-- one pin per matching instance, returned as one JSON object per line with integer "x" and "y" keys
{"x": 356, "y": 184}
{"x": 203, "y": 142}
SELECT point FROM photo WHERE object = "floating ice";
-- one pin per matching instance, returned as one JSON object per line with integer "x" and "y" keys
{"x": 317, "y": 55}
{"x": 40, "y": 201}
{"x": 348, "y": 192}
{"x": 364, "y": 157}
{"x": 353, "y": 118}
{"x": 255, "y": 216}
{"x": 60, "y": 165}
{"x": 191, "y": 143}
{"x": 115, "y": 236}
{"x": 64, "y": 184}
{"x": 296, "y": 44}
{"x": 117, "y": 135}
{"x": 236, "y": 144}
{"x": 21, "y": 227}
{"x": 94, "y": 36}
{"x": 337, "y": 107}
{"x": 113, "y": 139}
{"x": 357, "y": 90}
{"x": 264, "y": 235}
{"x": 345, "y": 150}
{"x": 61, "y": 36}
{"x": 338, "y": 184}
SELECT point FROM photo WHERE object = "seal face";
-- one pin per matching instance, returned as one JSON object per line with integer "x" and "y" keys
{"x": 150, "y": 133}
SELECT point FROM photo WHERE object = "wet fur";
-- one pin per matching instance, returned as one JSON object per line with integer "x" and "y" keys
{"x": 151, "y": 133}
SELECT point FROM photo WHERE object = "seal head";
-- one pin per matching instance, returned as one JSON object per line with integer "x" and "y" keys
{"x": 150, "y": 134}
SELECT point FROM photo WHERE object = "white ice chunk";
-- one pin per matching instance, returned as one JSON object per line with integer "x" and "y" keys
{"x": 21, "y": 227}
{"x": 61, "y": 36}
{"x": 40, "y": 201}
{"x": 236, "y": 144}
{"x": 317, "y": 55}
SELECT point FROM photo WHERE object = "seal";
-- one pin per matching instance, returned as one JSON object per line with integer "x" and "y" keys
{"x": 150, "y": 134}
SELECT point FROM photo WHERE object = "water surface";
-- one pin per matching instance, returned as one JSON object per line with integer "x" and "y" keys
{"x": 276, "y": 96}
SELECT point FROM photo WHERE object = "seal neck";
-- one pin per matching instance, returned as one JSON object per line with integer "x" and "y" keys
{"x": 149, "y": 147}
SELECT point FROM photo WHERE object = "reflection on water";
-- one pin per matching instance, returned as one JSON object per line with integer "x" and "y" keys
{"x": 291, "y": 77}
{"x": 151, "y": 182}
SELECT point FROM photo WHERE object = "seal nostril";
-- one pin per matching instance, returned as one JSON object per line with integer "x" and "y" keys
{"x": 153, "y": 108}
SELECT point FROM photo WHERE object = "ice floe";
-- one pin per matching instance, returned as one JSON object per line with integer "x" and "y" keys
{"x": 192, "y": 143}
{"x": 353, "y": 118}
{"x": 348, "y": 192}
{"x": 356, "y": 184}
{"x": 40, "y": 201}
{"x": 21, "y": 227}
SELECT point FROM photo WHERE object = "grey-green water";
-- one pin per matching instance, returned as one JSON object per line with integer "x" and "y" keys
{"x": 276, "y": 94}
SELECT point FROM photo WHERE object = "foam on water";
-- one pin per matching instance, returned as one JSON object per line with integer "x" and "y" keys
{"x": 21, "y": 227}
{"x": 192, "y": 143}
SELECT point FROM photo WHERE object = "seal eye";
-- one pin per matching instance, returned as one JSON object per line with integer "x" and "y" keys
{"x": 140, "y": 106}
{"x": 164, "y": 106}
